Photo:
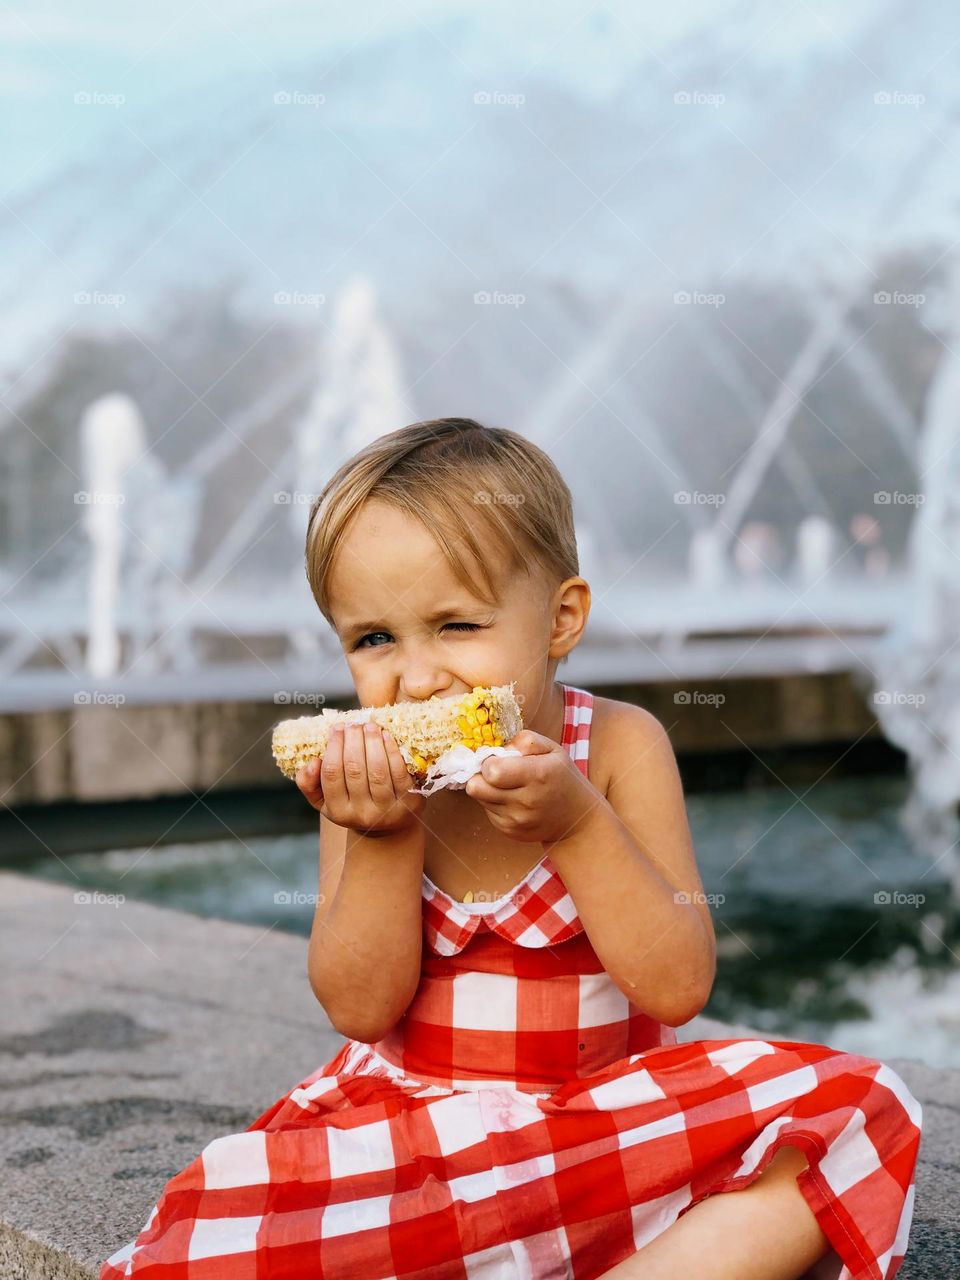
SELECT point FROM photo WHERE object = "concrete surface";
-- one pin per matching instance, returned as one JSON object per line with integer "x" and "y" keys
{"x": 132, "y": 1035}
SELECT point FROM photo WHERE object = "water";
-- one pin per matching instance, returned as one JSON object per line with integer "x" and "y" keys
{"x": 807, "y": 949}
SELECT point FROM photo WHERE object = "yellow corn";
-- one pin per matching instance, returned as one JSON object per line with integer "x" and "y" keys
{"x": 422, "y": 730}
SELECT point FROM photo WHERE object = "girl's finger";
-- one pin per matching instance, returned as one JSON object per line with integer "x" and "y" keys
{"x": 510, "y": 772}
{"x": 400, "y": 774}
{"x": 331, "y": 769}
{"x": 355, "y": 766}
{"x": 381, "y": 792}
{"x": 480, "y": 790}
{"x": 308, "y": 780}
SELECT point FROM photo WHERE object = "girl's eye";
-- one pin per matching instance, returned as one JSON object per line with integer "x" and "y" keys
{"x": 360, "y": 643}
{"x": 456, "y": 626}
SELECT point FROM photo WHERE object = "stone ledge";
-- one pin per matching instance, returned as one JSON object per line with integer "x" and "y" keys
{"x": 134, "y": 1035}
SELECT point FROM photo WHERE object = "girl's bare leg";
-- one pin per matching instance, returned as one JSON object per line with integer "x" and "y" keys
{"x": 765, "y": 1232}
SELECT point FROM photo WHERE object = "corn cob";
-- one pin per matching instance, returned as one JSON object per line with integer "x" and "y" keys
{"x": 485, "y": 717}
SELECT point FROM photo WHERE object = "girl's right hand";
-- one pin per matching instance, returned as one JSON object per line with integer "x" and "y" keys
{"x": 362, "y": 782}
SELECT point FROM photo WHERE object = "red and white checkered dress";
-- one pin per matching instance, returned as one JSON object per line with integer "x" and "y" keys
{"x": 524, "y": 1120}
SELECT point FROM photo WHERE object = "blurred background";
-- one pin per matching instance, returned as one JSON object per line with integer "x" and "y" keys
{"x": 706, "y": 257}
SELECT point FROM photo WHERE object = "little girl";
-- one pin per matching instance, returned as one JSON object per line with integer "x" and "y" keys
{"x": 508, "y": 963}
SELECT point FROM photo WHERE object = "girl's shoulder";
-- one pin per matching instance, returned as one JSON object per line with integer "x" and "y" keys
{"x": 612, "y": 723}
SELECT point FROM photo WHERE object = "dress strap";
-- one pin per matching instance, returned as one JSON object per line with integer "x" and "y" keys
{"x": 577, "y": 720}
{"x": 537, "y": 912}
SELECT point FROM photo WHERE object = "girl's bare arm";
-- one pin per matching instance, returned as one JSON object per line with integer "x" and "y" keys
{"x": 364, "y": 956}
{"x": 632, "y": 873}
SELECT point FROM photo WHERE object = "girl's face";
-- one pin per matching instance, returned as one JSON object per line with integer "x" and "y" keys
{"x": 410, "y": 630}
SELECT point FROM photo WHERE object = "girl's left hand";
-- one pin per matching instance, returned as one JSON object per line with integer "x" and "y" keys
{"x": 540, "y": 796}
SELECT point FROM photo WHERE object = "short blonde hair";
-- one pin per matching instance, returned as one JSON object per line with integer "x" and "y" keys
{"x": 451, "y": 473}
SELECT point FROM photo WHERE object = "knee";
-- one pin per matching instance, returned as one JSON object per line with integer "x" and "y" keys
{"x": 788, "y": 1162}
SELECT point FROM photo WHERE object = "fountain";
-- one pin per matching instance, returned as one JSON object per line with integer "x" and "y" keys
{"x": 917, "y": 683}
{"x": 113, "y": 440}
{"x": 816, "y": 550}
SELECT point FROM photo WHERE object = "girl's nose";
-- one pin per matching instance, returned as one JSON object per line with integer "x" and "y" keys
{"x": 419, "y": 686}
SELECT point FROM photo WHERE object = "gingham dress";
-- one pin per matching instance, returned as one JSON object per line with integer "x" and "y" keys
{"x": 524, "y": 1120}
